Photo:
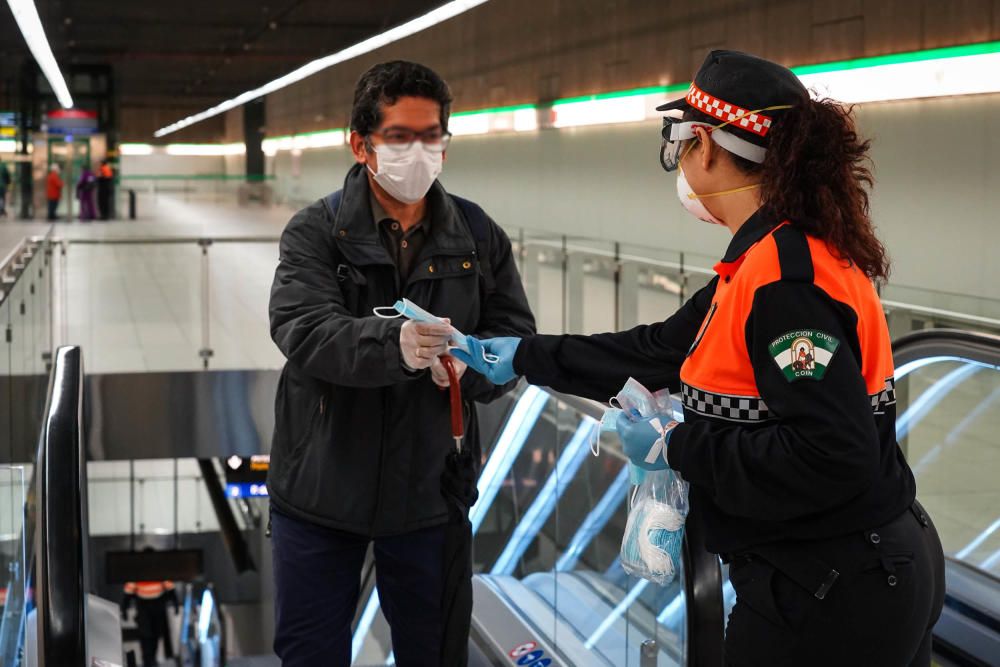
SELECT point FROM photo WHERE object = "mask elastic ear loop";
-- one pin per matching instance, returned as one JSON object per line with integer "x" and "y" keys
{"x": 395, "y": 314}
{"x": 613, "y": 402}
{"x": 491, "y": 358}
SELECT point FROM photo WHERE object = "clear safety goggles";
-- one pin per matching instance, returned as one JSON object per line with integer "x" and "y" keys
{"x": 676, "y": 132}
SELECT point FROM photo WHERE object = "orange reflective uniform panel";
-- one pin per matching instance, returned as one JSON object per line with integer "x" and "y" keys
{"x": 719, "y": 363}
{"x": 148, "y": 590}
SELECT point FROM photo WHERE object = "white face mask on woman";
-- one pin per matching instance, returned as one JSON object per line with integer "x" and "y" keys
{"x": 692, "y": 202}
{"x": 407, "y": 174}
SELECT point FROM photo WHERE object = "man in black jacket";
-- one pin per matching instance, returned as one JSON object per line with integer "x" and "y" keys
{"x": 361, "y": 419}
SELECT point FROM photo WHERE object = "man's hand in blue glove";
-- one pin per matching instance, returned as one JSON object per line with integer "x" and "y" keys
{"x": 645, "y": 441}
{"x": 492, "y": 357}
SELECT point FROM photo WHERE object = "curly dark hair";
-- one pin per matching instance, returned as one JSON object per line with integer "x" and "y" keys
{"x": 385, "y": 83}
{"x": 817, "y": 174}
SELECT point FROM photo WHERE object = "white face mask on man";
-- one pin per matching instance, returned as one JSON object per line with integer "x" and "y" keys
{"x": 407, "y": 173}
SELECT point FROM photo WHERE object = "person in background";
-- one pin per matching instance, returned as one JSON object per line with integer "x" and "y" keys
{"x": 362, "y": 420}
{"x": 150, "y": 599}
{"x": 105, "y": 183}
{"x": 4, "y": 184}
{"x": 85, "y": 191}
{"x": 53, "y": 190}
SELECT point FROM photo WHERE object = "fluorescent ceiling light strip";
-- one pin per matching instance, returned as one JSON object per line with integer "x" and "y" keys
{"x": 205, "y": 150}
{"x": 928, "y": 400}
{"x": 432, "y": 18}
{"x": 26, "y": 15}
{"x": 595, "y": 521}
{"x": 538, "y": 513}
{"x": 615, "y": 614}
{"x": 943, "y": 77}
{"x": 135, "y": 149}
{"x": 522, "y": 419}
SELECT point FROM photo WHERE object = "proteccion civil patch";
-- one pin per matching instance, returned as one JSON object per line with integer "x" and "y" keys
{"x": 803, "y": 354}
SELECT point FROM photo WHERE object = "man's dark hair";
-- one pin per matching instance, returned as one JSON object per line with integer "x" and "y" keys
{"x": 385, "y": 83}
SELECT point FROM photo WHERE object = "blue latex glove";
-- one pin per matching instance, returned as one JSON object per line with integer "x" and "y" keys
{"x": 645, "y": 441}
{"x": 499, "y": 371}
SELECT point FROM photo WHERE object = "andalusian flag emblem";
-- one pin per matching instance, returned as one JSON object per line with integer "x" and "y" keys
{"x": 803, "y": 354}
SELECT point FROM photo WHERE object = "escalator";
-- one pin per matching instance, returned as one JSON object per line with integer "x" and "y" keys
{"x": 550, "y": 589}
{"x": 548, "y": 526}
{"x": 50, "y": 616}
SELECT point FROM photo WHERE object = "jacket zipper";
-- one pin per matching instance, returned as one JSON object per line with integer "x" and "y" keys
{"x": 704, "y": 328}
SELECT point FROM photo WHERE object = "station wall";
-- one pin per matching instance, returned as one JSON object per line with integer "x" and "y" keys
{"x": 936, "y": 200}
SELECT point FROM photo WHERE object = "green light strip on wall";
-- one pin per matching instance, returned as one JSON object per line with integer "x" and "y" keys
{"x": 653, "y": 90}
{"x": 479, "y": 112}
{"x": 984, "y": 48}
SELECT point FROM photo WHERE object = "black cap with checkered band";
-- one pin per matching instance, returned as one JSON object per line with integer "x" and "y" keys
{"x": 742, "y": 95}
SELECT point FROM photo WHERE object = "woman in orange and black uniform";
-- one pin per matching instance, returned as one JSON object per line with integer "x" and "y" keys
{"x": 785, "y": 366}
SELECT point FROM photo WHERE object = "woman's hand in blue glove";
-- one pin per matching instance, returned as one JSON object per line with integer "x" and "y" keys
{"x": 645, "y": 441}
{"x": 492, "y": 357}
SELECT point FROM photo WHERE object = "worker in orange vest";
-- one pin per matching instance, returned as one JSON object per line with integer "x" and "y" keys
{"x": 53, "y": 190}
{"x": 785, "y": 366}
{"x": 150, "y": 599}
{"x": 105, "y": 181}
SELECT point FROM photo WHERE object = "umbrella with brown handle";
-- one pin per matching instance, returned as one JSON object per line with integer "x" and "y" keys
{"x": 458, "y": 486}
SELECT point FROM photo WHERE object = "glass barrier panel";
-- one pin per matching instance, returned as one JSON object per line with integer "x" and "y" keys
{"x": 7, "y": 449}
{"x": 542, "y": 274}
{"x": 240, "y": 275}
{"x": 135, "y": 308}
{"x": 14, "y": 562}
{"x": 145, "y": 493}
{"x": 948, "y": 420}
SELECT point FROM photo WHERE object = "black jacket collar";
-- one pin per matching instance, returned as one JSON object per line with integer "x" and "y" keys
{"x": 449, "y": 234}
{"x": 753, "y": 230}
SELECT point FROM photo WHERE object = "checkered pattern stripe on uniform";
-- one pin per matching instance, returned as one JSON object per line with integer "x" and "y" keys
{"x": 884, "y": 398}
{"x": 748, "y": 409}
{"x": 735, "y": 115}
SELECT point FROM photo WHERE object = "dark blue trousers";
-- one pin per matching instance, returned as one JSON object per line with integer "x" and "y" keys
{"x": 317, "y": 578}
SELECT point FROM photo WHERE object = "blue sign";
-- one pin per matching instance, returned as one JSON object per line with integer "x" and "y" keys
{"x": 246, "y": 490}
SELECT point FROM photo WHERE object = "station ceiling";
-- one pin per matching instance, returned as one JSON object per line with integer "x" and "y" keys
{"x": 195, "y": 53}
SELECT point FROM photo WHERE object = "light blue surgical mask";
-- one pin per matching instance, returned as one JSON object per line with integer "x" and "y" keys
{"x": 411, "y": 311}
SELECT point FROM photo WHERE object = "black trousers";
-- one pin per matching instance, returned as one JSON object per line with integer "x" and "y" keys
{"x": 879, "y": 612}
{"x": 317, "y": 577}
{"x": 53, "y": 205}
{"x": 151, "y": 618}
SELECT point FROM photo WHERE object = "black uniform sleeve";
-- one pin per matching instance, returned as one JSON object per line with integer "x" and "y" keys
{"x": 310, "y": 322}
{"x": 822, "y": 448}
{"x": 598, "y": 366}
{"x": 505, "y": 312}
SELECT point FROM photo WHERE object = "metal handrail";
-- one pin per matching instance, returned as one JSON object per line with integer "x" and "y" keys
{"x": 944, "y": 314}
{"x": 167, "y": 240}
{"x": 12, "y": 266}
{"x": 62, "y": 535}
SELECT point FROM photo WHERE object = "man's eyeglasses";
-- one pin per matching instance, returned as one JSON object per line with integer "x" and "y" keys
{"x": 401, "y": 139}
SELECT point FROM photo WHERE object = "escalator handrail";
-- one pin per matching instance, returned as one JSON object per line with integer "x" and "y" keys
{"x": 972, "y": 345}
{"x": 61, "y": 538}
